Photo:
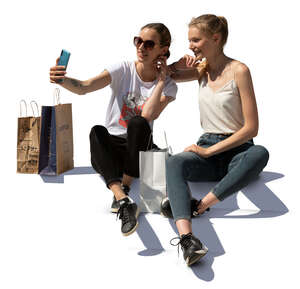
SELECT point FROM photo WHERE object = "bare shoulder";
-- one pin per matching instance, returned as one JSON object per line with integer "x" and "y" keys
{"x": 240, "y": 69}
{"x": 243, "y": 78}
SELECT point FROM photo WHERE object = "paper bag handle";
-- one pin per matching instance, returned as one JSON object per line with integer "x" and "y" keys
{"x": 37, "y": 108}
{"x": 150, "y": 135}
{"x": 167, "y": 146}
{"x": 22, "y": 101}
{"x": 56, "y": 96}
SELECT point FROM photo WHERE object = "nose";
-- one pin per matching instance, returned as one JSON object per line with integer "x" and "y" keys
{"x": 141, "y": 46}
{"x": 191, "y": 45}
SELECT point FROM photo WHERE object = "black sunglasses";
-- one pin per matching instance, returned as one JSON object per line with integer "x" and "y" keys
{"x": 148, "y": 44}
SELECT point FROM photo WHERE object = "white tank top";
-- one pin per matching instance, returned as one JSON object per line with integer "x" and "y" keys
{"x": 220, "y": 111}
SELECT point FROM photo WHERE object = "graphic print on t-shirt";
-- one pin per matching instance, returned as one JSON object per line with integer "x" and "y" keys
{"x": 133, "y": 105}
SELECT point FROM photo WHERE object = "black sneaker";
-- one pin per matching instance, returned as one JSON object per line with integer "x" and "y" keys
{"x": 115, "y": 205}
{"x": 128, "y": 213}
{"x": 166, "y": 211}
{"x": 193, "y": 250}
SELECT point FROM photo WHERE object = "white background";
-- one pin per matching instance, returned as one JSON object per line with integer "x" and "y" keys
{"x": 61, "y": 235}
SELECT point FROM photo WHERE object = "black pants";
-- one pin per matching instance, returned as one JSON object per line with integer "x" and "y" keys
{"x": 112, "y": 156}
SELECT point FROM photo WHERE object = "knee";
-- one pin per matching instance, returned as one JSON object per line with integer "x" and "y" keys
{"x": 97, "y": 131}
{"x": 171, "y": 168}
{"x": 169, "y": 162}
{"x": 174, "y": 162}
{"x": 261, "y": 154}
{"x": 137, "y": 122}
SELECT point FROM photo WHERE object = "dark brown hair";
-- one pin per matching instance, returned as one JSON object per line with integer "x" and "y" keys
{"x": 164, "y": 34}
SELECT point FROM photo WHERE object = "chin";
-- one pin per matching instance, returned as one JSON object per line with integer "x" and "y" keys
{"x": 142, "y": 60}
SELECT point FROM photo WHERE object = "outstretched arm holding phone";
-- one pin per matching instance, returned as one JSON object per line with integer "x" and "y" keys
{"x": 153, "y": 107}
{"x": 58, "y": 76}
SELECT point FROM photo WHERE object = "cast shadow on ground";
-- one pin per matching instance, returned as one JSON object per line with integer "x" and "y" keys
{"x": 267, "y": 203}
{"x": 60, "y": 179}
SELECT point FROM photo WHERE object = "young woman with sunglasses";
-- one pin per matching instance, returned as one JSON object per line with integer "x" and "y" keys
{"x": 141, "y": 90}
{"x": 228, "y": 115}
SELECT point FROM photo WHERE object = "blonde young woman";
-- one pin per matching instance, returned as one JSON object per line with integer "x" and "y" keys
{"x": 141, "y": 90}
{"x": 228, "y": 115}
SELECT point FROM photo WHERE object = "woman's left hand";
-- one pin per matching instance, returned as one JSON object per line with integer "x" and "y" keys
{"x": 161, "y": 67}
{"x": 202, "y": 152}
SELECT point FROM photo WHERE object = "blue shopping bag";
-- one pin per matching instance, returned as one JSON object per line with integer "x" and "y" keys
{"x": 56, "y": 140}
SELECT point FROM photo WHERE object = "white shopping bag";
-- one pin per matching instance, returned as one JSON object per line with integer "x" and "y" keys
{"x": 152, "y": 179}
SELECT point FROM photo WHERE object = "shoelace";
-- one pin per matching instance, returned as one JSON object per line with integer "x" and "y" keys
{"x": 123, "y": 213}
{"x": 185, "y": 241}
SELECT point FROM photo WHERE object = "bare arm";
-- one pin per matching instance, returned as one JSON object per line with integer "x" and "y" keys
{"x": 57, "y": 73}
{"x": 249, "y": 108}
{"x": 157, "y": 102}
{"x": 185, "y": 75}
{"x": 90, "y": 85}
{"x": 187, "y": 69}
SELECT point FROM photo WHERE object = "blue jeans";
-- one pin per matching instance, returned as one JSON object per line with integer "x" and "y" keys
{"x": 234, "y": 169}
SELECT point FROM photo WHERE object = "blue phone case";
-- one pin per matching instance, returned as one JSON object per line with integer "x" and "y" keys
{"x": 64, "y": 59}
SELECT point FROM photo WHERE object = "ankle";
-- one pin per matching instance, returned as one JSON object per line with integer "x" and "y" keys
{"x": 120, "y": 197}
{"x": 202, "y": 207}
{"x": 184, "y": 226}
{"x": 183, "y": 235}
{"x": 127, "y": 180}
{"x": 208, "y": 201}
{"x": 125, "y": 188}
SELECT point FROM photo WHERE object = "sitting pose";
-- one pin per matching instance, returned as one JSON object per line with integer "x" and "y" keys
{"x": 141, "y": 90}
{"x": 228, "y": 115}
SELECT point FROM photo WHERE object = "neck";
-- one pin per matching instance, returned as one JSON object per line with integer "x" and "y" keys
{"x": 146, "y": 71}
{"x": 217, "y": 61}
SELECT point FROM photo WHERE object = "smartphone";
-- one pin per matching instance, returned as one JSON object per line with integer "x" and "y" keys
{"x": 64, "y": 59}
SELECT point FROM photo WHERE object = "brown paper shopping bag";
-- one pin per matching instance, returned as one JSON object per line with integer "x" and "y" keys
{"x": 56, "y": 142}
{"x": 28, "y": 142}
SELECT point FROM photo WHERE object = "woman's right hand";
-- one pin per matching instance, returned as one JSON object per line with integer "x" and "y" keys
{"x": 57, "y": 73}
{"x": 186, "y": 62}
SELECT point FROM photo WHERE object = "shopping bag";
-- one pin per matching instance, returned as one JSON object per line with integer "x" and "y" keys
{"x": 152, "y": 168}
{"x": 28, "y": 141}
{"x": 56, "y": 141}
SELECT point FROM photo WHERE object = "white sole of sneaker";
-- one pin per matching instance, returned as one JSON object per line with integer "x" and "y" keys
{"x": 200, "y": 253}
{"x": 136, "y": 225}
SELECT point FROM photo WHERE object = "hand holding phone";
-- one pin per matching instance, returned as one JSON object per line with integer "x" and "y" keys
{"x": 57, "y": 73}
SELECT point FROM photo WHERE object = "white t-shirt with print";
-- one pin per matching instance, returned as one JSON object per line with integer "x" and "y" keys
{"x": 129, "y": 94}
